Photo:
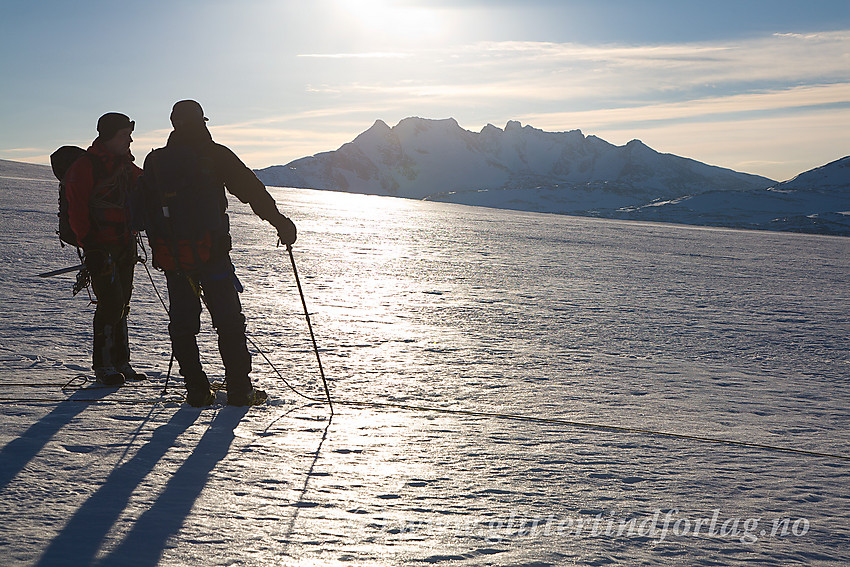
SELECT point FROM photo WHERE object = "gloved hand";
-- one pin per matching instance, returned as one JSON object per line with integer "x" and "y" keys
{"x": 286, "y": 230}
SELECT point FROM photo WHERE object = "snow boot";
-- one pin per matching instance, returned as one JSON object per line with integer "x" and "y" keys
{"x": 108, "y": 376}
{"x": 254, "y": 397}
{"x": 132, "y": 375}
{"x": 200, "y": 397}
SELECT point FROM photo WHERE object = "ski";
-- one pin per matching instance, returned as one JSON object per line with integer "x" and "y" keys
{"x": 62, "y": 271}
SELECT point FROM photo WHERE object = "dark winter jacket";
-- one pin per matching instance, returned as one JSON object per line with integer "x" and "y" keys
{"x": 99, "y": 188}
{"x": 186, "y": 205}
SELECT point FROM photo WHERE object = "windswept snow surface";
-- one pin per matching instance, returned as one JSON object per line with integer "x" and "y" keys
{"x": 714, "y": 333}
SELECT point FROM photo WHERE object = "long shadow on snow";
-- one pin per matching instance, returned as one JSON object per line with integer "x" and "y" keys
{"x": 301, "y": 503}
{"x": 18, "y": 452}
{"x": 147, "y": 540}
{"x": 79, "y": 542}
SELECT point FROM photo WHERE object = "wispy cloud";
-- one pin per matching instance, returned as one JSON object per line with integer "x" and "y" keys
{"x": 700, "y": 109}
{"x": 336, "y": 114}
{"x": 778, "y": 147}
{"x": 790, "y": 59}
{"x": 27, "y": 155}
{"x": 369, "y": 55}
{"x": 666, "y": 88}
{"x": 13, "y": 151}
{"x": 676, "y": 97}
{"x": 261, "y": 146}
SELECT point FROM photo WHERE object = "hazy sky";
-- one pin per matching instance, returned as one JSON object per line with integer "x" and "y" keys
{"x": 761, "y": 86}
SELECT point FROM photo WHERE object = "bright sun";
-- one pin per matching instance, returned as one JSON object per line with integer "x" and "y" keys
{"x": 384, "y": 19}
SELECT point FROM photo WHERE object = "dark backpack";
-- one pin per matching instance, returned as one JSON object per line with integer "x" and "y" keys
{"x": 61, "y": 161}
{"x": 185, "y": 205}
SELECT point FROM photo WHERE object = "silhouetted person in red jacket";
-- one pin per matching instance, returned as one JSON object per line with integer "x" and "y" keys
{"x": 98, "y": 187}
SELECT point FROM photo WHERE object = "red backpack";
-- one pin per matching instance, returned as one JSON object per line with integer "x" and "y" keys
{"x": 61, "y": 161}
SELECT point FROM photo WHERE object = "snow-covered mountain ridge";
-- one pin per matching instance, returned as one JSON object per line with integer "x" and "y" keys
{"x": 834, "y": 176}
{"x": 816, "y": 201}
{"x": 428, "y": 159}
{"x": 524, "y": 168}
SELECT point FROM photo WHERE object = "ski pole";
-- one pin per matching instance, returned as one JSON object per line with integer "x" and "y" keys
{"x": 310, "y": 327}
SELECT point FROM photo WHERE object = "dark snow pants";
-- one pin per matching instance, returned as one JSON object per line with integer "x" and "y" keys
{"x": 218, "y": 287}
{"x": 111, "y": 274}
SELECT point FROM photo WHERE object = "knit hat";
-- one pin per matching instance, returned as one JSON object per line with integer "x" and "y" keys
{"x": 187, "y": 113}
{"x": 110, "y": 123}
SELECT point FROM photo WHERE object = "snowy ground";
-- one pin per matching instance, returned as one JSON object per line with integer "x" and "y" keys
{"x": 732, "y": 335}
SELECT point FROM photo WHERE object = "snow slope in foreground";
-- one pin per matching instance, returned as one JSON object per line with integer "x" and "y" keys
{"x": 726, "y": 334}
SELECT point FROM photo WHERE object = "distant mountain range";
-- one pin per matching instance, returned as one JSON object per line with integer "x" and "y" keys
{"x": 523, "y": 168}
{"x": 817, "y": 201}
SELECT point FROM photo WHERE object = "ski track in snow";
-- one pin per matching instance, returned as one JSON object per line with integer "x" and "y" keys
{"x": 715, "y": 333}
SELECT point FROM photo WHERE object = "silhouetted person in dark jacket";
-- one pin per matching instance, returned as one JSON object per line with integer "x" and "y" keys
{"x": 189, "y": 233}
